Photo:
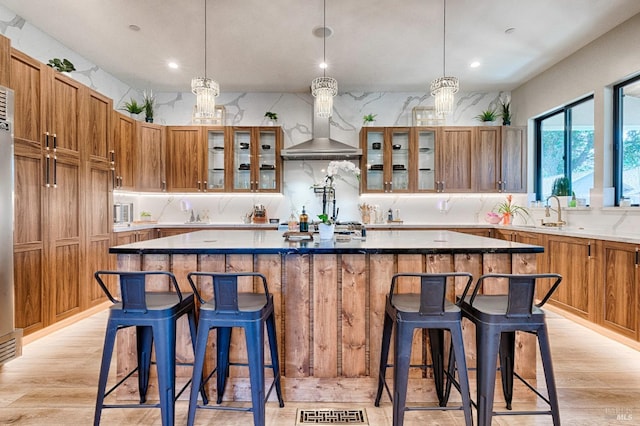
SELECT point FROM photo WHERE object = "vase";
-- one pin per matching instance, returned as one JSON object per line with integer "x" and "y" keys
{"x": 326, "y": 231}
{"x": 148, "y": 119}
{"x": 506, "y": 219}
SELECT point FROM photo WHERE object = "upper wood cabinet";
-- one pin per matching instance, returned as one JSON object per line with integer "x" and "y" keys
{"x": 386, "y": 160}
{"x": 256, "y": 165}
{"x": 96, "y": 117}
{"x": 185, "y": 159}
{"x": 122, "y": 154}
{"x": 150, "y": 157}
{"x": 501, "y": 159}
{"x": 5, "y": 61}
{"x": 456, "y": 165}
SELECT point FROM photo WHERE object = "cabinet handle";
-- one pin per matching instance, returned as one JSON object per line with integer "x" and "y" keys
{"x": 113, "y": 178}
{"x": 55, "y": 142}
{"x": 391, "y": 186}
{"x": 112, "y": 157}
{"x": 198, "y": 185}
{"x": 47, "y": 170}
{"x": 46, "y": 140}
{"x": 55, "y": 171}
{"x": 637, "y": 258}
{"x": 164, "y": 185}
{"x": 204, "y": 186}
{"x": 589, "y": 250}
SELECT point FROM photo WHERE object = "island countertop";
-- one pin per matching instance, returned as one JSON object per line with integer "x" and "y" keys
{"x": 273, "y": 242}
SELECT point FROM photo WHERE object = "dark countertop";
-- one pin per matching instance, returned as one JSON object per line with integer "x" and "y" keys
{"x": 271, "y": 242}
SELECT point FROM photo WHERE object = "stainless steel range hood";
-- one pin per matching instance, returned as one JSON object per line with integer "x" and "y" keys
{"x": 321, "y": 146}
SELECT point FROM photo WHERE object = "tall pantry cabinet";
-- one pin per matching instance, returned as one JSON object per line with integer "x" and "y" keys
{"x": 49, "y": 238}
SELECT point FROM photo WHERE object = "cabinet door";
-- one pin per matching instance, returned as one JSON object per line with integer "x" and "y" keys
{"x": 99, "y": 222}
{"x": 64, "y": 242}
{"x": 573, "y": 258}
{"x": 65, "y": 98}
{"x": 455, "y": 159}
{"x": 97, "y": 122}
{"x": 426, "y": 160}
{"x": 487, "y": 176}
{"x": 29, "y": 238}
{"x": 150, "y": 155}
{"x": 185, "y": 152}
{"x": 5, "y": 60}
{"x": 621, "y": 287}
{"x": 27, "y": 82}
{"x": 372, "y": 163}
{"x": 243, "y": 148}
{"x": 122, "y": 155}
{"x": 514, "y": 159}
{"x": 218, "y": 153}
{"x": 268, "y": 167}
{"x": 398, "y": 149}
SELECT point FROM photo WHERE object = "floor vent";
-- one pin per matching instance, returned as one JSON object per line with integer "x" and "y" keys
{"x": 332, "y": 417}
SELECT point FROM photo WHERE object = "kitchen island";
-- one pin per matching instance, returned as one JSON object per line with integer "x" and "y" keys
{"x": 329, "y": 300}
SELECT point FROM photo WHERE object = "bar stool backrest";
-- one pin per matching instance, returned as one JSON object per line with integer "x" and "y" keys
{"x": 225, "y": 288}
{"x": 433, "y": 290}
{"x": 521, "y": 292}
{"x": 133, "y": 289}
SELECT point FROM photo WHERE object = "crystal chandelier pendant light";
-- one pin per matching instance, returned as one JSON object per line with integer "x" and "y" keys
{"x": 205, "y": 89}
{"x": 324, "y": 88}
{"x": 444, "y": 88}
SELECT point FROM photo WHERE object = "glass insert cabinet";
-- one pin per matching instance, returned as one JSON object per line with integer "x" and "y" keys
{"x": 224, "y": 159}
{"x": 256, "y": 159}
{"x": 398, "y": 159}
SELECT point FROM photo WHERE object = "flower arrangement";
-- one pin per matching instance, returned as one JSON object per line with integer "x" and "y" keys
{"x": 509, "y": 209}
{"x": 335, "y": 167}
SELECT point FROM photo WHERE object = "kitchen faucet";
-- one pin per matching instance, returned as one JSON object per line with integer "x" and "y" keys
{"x": 547, "y": 207}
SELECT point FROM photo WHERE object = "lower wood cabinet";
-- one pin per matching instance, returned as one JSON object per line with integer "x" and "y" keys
{"x": 620, "y": 299}
{"x": 575, "y": 259}
{"x": 128, "y": 237}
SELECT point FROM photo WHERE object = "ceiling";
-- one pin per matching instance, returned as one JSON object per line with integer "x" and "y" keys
{"x": 377, "y": 45}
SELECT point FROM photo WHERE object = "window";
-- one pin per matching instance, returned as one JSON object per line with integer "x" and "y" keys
{"x": 564, "y": 147}
{"x": 626, "y": 141}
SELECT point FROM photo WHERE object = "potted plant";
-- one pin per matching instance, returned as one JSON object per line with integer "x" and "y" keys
{"x": 148, "y": 103}
{"x": 487, "y": 116}
{"x": 505, "y": 111}
{"x": 272, "y": 117}
{"x": 369, "y": 119}
{"x": 132, "y": 107}
{"x": 63, "y": 65}
{"x": 560, "y": 186}
{"x": 508, "y": 210}
{"x": 145, "y": 216}
{"x": 326, "y": 227}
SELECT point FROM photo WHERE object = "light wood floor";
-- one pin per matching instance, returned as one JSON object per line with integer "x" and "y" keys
{"x": 54, "y": 383}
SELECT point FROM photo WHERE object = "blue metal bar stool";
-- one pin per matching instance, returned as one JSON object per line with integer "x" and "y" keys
{"x": 427, "y": 310}
{"x": 154, "y": 314}
{"x": 230, "y": 308}
{"x": 497, "y": 318}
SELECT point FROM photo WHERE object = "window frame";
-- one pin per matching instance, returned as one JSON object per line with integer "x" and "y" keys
{"x": 566, "y": 110}
{"x": 618, "y": 152}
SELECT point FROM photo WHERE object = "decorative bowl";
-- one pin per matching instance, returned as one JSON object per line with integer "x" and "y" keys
{"x": 493, "y": 218}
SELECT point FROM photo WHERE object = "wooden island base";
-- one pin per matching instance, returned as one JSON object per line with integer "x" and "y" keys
{"x": 329, "y": 310}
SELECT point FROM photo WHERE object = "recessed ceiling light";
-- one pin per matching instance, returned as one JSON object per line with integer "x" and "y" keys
{"x": 323, "y": 65}
{"x": 173, "y": 65}
{"x": 322, "y": 32}
{"x": 134, "y": 27}
{"x": 509, "y": 30}
{"x": 474, "y": 64}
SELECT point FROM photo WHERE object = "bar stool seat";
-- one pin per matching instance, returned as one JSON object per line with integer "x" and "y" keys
{"x": 427, "y": 310}
{"x": 228, "y": 309}
{"x": 497, "y": 317}
{"x": 154, "y": 314}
